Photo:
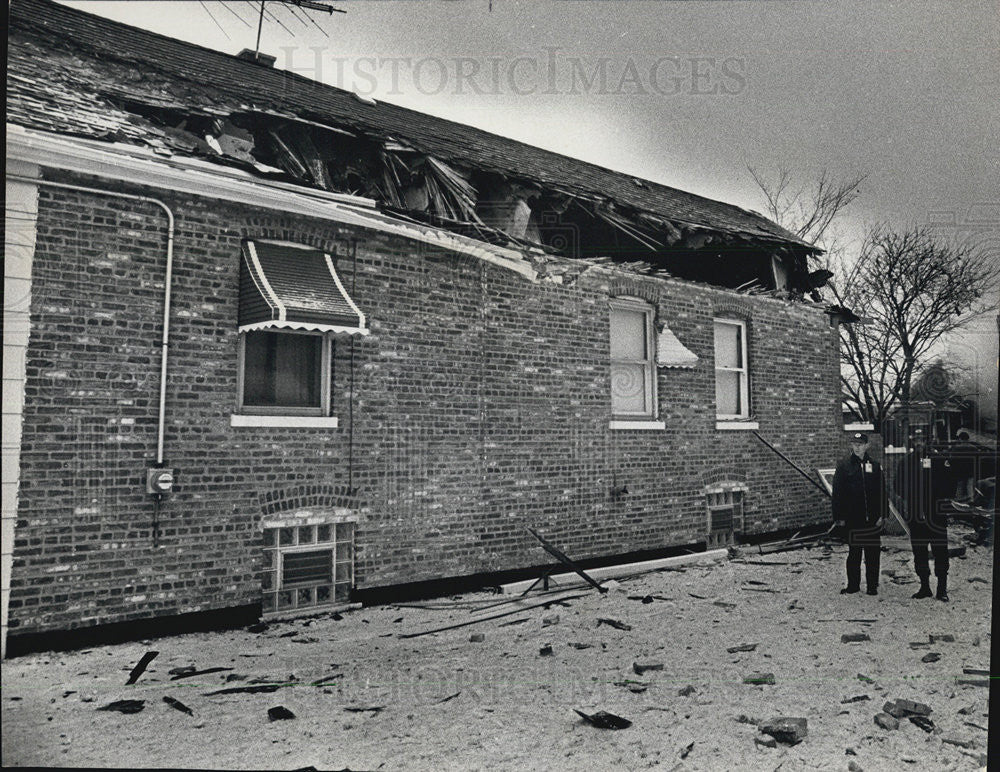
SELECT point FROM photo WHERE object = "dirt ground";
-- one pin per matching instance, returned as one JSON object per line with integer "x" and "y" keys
{"x": 447, "y": 701}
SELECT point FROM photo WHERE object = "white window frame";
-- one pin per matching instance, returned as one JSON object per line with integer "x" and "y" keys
{"x": 637, "y": 304}
{"x": 744, "y": 372}
{"x": 325, "y": 381}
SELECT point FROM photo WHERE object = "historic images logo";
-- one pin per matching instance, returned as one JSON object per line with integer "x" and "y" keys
{"x": 552, "y": 72}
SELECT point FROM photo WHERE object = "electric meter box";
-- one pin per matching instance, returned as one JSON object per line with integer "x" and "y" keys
{"x": 159, "y": 480}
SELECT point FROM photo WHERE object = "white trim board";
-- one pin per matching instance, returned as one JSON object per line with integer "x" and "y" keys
{"x": 563, "y": 581}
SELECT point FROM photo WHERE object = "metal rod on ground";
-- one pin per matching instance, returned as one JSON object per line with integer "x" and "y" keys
{"x": 792, "y": 464}
{"x": 494, "y": 616}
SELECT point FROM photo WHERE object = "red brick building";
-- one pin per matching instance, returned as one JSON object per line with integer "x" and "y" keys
{"x": 354, "y": 392}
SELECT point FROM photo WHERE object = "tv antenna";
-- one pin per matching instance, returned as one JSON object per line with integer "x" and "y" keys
{"x": 305, "y": 5}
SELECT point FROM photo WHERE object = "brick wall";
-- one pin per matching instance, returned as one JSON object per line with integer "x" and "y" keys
{"x": 481, "y": 403}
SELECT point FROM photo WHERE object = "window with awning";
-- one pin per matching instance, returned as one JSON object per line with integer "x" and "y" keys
{"x": 288, "y": 286}
{"x": 292, "y": 305}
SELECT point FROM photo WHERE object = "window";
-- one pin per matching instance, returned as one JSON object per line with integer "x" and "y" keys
{"x": 307, "y": 565}
{"x": 291, "y": 304}
{"x": 725, "y": 514}
{"x": 732, "y": 393}
{"x": 633, "y": 371}
{"x": 285, "y": 373}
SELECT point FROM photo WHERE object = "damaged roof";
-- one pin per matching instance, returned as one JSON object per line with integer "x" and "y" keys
{"x": 73, "y": 73}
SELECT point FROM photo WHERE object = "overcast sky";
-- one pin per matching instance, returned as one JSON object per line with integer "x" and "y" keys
{"x": 684, "y": 93}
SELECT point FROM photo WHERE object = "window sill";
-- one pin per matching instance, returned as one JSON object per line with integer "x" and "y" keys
{"x": 643, "y": 425}
{"x": 734, "y": 426}
{"x": 284, "y": 421}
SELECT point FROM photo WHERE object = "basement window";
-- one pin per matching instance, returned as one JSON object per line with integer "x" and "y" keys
{"x": 725, "y": 513}
{"x": 307, "y": 566}
{"x": 633, "y": 360}
{"x": 732, "y": 387}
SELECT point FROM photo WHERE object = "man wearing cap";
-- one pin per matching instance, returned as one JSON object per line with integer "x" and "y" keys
{"x": 924, "y": 481}
{"x": 858, "y": 506}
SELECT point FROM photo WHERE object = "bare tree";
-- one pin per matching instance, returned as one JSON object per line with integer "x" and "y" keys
{"x": 807, "y": 211}
{"x": 910, "y": 291}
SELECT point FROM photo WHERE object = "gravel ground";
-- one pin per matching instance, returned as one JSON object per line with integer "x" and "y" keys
{"x": 450, "y": 701}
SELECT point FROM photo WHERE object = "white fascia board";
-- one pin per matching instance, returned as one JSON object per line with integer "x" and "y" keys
{"x": 127, "y": 163}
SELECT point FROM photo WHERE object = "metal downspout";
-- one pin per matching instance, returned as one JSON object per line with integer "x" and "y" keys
{"x": 165, "y": 341}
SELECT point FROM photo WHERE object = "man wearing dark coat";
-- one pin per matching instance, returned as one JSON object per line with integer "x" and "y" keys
{"x": 859, "y": 505}
{"x": 924, "y": 482}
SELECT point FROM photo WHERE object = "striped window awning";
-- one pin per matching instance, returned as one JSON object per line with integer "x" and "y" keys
{"x": 670, "y": 352}
{"x": 288, "y": 286}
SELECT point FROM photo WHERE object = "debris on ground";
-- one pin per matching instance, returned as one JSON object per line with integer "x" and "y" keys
{"x": 903, "y": 707}
{"x": 125, "y": 706}
{"x": 141, "y": 666}
{"x": 742, "y": 647}
{"x": 641, "y": 667}
{"x": 636, "y": 687}
{"x": 613, "y": 623}
{"x": 257, "y": 689}
{"x": 604, "y": 720}
{"x": 394, "y": 702}
{"x": 192, "y": 672}
{"x": 785, "y": 729}
{"x": 178, "y": 705}
{"x": 854, "y": 637}
{"x": 279, "y": 713}
{"x": 932, "y": 656}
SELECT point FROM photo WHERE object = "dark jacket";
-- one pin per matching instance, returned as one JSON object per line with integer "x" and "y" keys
{"x": 924, "y": 480}
{"x": 858, "y": 491}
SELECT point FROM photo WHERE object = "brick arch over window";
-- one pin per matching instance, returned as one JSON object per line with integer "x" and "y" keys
{"x": 628, "y": 287}
{"x": 733, "y": 308}
{"x": 718, "y": 475}
{"x": 295, "y": 232}
{"x": 296, "y": 497}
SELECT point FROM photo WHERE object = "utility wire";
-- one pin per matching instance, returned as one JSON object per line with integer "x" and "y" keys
{"x": 245, "y": 22}
{"x": 221, "y": 28}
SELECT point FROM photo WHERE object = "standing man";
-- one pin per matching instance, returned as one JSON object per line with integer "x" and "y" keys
{"x": 858, "y": 507}
{"x": 924, "y": 481}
